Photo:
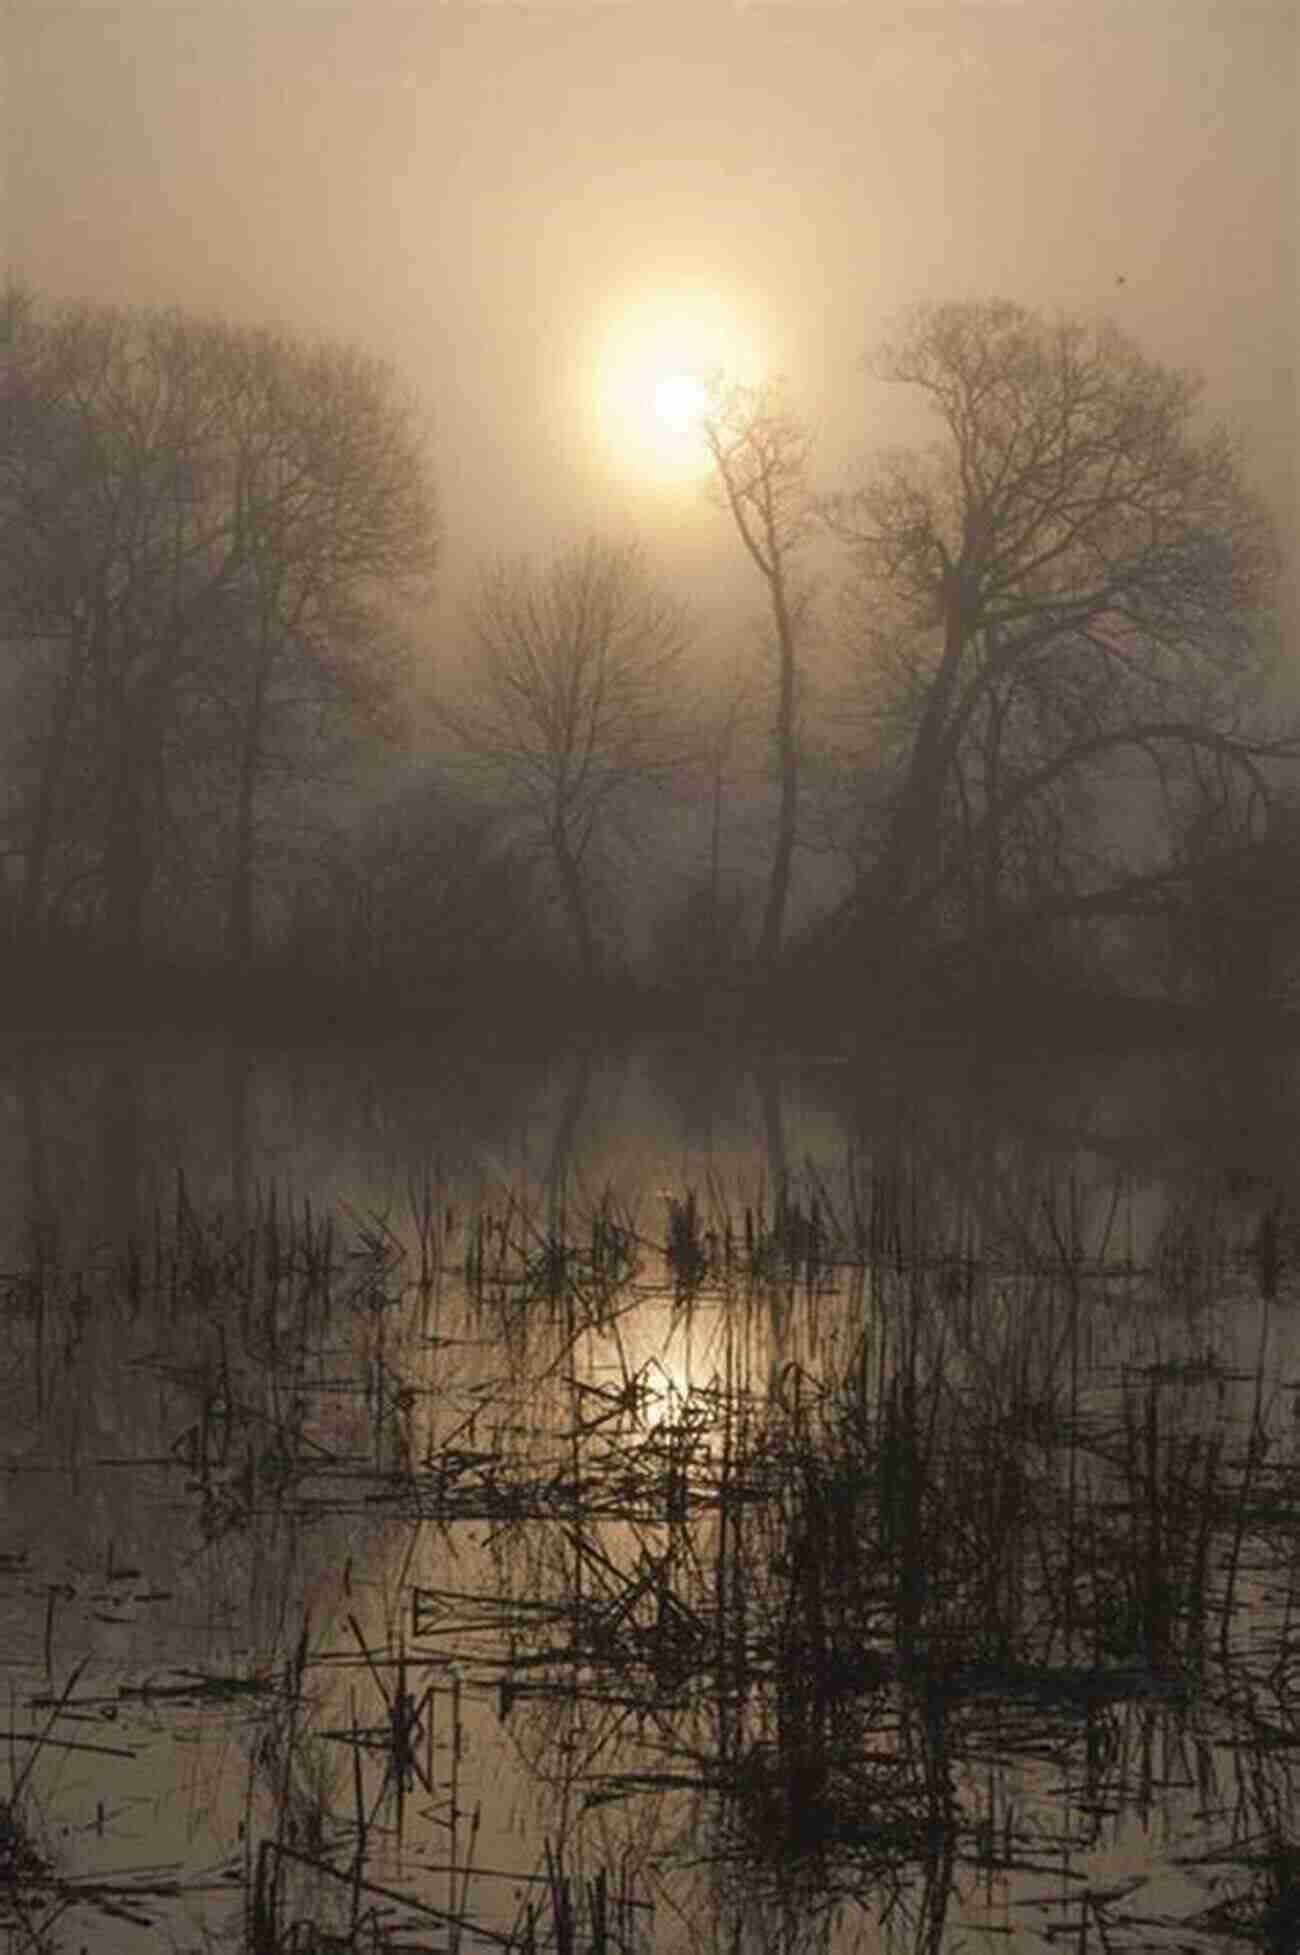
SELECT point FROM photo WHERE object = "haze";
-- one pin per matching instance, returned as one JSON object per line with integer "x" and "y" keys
{"x": 649, "y": 1083}
{"x": 476, "y": 191}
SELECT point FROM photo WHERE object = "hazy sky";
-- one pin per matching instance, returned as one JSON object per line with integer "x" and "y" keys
{"x": 483, "y": 191}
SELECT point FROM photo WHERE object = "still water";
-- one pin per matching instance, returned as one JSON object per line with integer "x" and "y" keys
{"x": 647, "y": 1500}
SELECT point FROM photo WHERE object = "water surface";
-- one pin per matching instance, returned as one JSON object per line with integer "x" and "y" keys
{"x": 769, "y": 1505}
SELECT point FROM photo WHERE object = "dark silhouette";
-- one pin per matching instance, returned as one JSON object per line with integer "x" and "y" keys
{"x": 204, "y": 531}
{"x": 761, "y": 458}
{"x": 1076, "y": 582}
{"x": 569, "y": 718}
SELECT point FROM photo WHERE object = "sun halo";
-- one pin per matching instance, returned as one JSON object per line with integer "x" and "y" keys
{"x": 681, "y": 402}
{"x": 657, "y": 375}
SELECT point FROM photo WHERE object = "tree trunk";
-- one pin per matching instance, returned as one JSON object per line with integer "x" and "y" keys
{"x": 715, "y": 862}
{"x": 870, "y": 920}
{"x": 787, "y": 750}
{"x": 239, "y": 919}
{"x": 126, "y": 868}
{"x": 53, "y": 768}
{"x": 575, "y": 901}
{"x": 913, "y": 846}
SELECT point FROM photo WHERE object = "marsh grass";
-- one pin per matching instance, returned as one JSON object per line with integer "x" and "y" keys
{"x": 900, "y": 1569}
{"x": 30, "y": 1902}
{"x": 1265, "y": 1911}
{"x": 572, "y": 1255}
{"x": 41, "y": 1898}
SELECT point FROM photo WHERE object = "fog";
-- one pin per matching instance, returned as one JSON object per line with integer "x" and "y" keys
{"x": 537, "y": 217}
{"x": 476, "y": 190}
{"x": 650, "y": 1184}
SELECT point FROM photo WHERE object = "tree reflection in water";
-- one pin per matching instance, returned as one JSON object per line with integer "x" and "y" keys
{"x": 869, "y": 1555}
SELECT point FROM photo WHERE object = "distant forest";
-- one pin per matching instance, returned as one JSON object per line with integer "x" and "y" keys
{"x": 1023, "y": 741}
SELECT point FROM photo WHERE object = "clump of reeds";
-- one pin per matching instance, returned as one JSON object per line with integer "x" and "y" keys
{"x": 24, "y": 1869}
{"x": 791, "y": 1242}
{"x": 789, "y": 1235}
{"x": 693, "y": 1253}
{"x": 575, "y": 1261}
{"x": 1149, "y": 1543}
{"x": 280, "y": 1262}
{"x": 1267, "y": 1912}
{"x": 30, "y": 1897}
{"x": 592, "y": 1914}
{"x": 1190, "y": 1256}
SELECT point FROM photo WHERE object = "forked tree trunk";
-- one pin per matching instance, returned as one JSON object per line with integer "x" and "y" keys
{"x": 575, "y": 902}
{"x": 126, "y": 865}
{"x": 44, "y": 814}
{"x": 787, "y": 750}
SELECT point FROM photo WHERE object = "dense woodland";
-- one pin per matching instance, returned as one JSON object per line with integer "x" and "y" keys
{"x": 1026, "y": 736}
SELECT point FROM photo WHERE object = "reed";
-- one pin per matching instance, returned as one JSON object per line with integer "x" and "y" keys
{"x": 796, "y": 1608}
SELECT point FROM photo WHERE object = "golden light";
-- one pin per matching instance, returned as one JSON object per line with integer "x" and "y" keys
{"x": 665, "y": 1388}
{"x": 681, "y": 403}
{"x": 656, "y": 369}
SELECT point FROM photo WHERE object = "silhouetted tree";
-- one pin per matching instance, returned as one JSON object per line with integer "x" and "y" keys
{"x": 434, "y": 894}
{"x": 106, "y": 568}
{"x": 1231, "y": 905}
{"x": 203, "y": 529}
{"x": 569, "y": 717}
{"x": 336, "y": 523}
{"x": 702, "y": 929}
{"x": 720, "y": 733}
{"x": 1071, "y": 577}
{"x": 761, "y": 458}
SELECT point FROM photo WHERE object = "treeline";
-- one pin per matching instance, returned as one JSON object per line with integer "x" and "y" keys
{"x": 1021, "y": 734}
{"x": 208, "y": 536}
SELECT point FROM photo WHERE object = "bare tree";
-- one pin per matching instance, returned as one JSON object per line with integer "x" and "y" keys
{"x": 570, "y": 718}
{"x": 335, "y": 520}
{"x": 761, "y": 458}
{"x": 201, "y": 529}
{"x": 1070, "y": 577}
{"x": 705, "y": 925}
{"x": 110, "y": 559}
{"x": 721, "y": 728}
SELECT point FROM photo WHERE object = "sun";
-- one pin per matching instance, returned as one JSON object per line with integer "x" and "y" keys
{"x": 658, "y": 370}
{"x": 681, "y": 404}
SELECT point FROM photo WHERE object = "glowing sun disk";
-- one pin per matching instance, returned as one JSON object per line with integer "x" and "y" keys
{"x": 654, "y": 376}
{"x": 681, "y": 401}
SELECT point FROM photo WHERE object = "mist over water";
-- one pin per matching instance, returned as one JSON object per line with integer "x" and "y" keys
{"x": 649, "y": 933}
{"x": 100, "y": 1140}
{"x": 769, "y": 1496}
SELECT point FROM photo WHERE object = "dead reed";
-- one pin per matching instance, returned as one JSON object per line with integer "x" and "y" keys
{"x": 901, "y": 1533}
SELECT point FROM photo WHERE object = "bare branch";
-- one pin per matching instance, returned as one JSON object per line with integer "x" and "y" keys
{"x": 569, "y": 713}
